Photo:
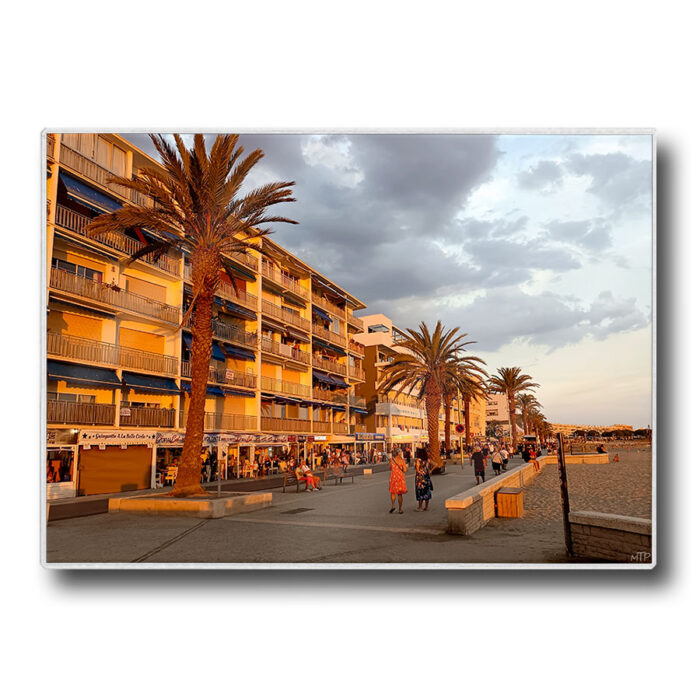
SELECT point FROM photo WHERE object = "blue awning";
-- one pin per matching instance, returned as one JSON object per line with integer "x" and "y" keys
{"x": 322, "y": 377}
{"x": 328, "y": 346}
{"x": 241, "y": 270}
{"x": 358, "y": 410}
{"x": 158, "y": 385}
{"x": 81, "y": 374}
{"x": 238, "y": 352}
{"x": 211, "y": 390}
{"x": 216, "y": 352}
{"x": 80, "y": 192}
{"x": 235, "y": 309}
{"x": 322, "y": 314}
{"x": 239, "y": 392}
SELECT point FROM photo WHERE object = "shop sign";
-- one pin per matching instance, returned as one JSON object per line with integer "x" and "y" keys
{"x": 309, "y": 438}
{"x": 369, "y": 437}
{"x": 230, "y": 374}
{"x": 124, "y": 412}
{"x": 319, "y": 438}
{"x": 61, "y": 436}
{"x": 291, "y": 438}
{"x": 117, "y": 437}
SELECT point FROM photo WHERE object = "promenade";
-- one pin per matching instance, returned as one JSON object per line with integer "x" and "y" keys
{"x": 351, "y": 523}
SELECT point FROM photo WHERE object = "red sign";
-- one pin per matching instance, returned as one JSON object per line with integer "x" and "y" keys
{"x": 291, "y": 438}
{"x": 309, "y": 438}
{"x": 459, "y": 429}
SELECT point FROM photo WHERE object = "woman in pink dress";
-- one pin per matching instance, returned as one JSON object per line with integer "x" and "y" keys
{"x": 397, "y": 480}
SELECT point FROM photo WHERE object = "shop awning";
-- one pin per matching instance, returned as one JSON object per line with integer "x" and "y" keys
{"x": 239, "y": 392}
{"x": 80, "y": 192}
{"x": 328, "y": 346}
{"x": 81, "y": 374}
{"x": 322, "y": 314}
{"x": 143, "y": 382}
{"x": 238, "y": 352}
{"x": 358, "y": 410}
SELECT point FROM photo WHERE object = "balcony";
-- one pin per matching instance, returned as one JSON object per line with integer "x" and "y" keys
{"x": 92, "y": 171}
{"x": 356, "y": 373}
{"x": 77, "y": 223}
{"x": 355, "y": 323}
{"x": 282, "y": 386}
{"x": 358, "y": 428}
{"x": 246, "y": 258}
{"x": 80, "y": 413}
{"x": 287, "y": 351}
{"x": 224, "y": 421}
{"x": 329, "y": 365}
{"x": 50, "y": 147}
{"x": 228, "y": 291}
{"x": 321, "y": 426}
{"x": 330, "y": 396}
{"x": 105, "y": 294}
{"x": 99, "y": 353}
{"x": 358, "y": 401}
{"x": 356, "y": 347}
{"x": 284, "y": 279}
{"x": 233, "y": 334}
{"x": 286, "y": 316}
{"x": 147, "y": 417}
{"x": 285, "y": 425}
{"x": 331, "y": 336}
{"x": 223, "y": 375}
{"x": 327, "y": 305}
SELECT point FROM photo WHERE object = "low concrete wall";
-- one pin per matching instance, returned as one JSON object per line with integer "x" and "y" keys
{"x": 611, "y": 537}
{"x": 212, "y": 507}
{"x": 470, "y": 510}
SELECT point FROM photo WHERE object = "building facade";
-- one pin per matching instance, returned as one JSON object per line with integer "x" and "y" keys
{"x": 400, "y": 417}
{"x": 568, "y": 429}
{"x": 284, "y": 368}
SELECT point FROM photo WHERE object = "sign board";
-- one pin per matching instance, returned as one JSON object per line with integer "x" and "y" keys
{"x": 459, "y": 429}
{"x": 61, "y": 436}
{"x": 124, "y": 412}
{"x": 369, "y": 437}
{"x": 116, "y": 437}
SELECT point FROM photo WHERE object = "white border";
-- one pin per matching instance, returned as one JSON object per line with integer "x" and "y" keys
{"x": 331, "y": 566}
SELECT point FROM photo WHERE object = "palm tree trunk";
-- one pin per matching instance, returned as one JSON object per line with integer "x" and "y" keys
{"x": 433, "y": 399}
{"x": 467, "y": 419}
{"x": 188, "y": 482}
{"x": 525, "y": 426}
{"x": 513, "y": 425}
{"x": 448, "y": 410}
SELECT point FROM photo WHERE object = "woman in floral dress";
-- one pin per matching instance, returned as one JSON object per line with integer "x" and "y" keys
{"x": 397, "y": 480}
{"x": 424, "y": 485}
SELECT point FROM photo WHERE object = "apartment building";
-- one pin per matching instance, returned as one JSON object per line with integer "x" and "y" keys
{"x": 283, "y": 371}
{"x": 400, "y": 417}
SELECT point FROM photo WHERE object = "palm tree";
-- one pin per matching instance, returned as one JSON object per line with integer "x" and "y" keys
{"x": 527, "y": 404}
{"x": 197, "y": 204}
{"x": 510, "y": 381}
{"x": 431, "y": 360}
{"x": 466, "y": 380}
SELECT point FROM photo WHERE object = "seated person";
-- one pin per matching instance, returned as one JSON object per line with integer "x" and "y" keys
{"x": 304, "y": 473}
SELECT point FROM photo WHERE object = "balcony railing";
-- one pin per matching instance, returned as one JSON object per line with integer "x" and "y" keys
{"x": 283, "y": 315}
{"x": 246, "y": 258}
{"x": 50, "y": 147}
{"x": 97, "y": 352}
{"x": 91, "y": 170}
{"x": 284, "y": 279}
{"x": 285, "y": 425}
{"x": 284, "y": 387}
{"x": 356, "y": 373}
{"x": 82, "y": 413}
{"x": 147, "y": 417}
{"x": 329, "y": 365}
{"x": 272, "y": 346}
{"x": 225, "y": 331}
{"x": 77, "y": 223}
{"x": 321, "y": 426}
{"x": 358, "y": 401}
{"x": 106, "y": 294}
{"x": 331, "y": 396}
{"x": 358, "y": 428}
{"x": 356, "y": 347}
{"x": 355, "y": 323}
{"x": 224, "y": 421}
{"x": 222, "y": 375}
{"x": 228, "y": 291}
{"x": 327, "y": 305}
{"x": 331, "y": 336}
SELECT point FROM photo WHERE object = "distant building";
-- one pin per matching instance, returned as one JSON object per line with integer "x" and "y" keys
{"x": 568, "y": 429}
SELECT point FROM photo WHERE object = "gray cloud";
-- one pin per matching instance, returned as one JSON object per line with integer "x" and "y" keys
{"x": 589, "y": 234}
{"x": 546, "y": 175}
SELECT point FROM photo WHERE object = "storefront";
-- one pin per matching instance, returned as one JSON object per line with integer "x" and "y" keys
{"x": 372, "y": 445}
{"x": 115, "y": 461}
{"x": 61, "y": 448}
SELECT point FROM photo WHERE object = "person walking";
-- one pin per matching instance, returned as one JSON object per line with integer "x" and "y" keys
{"x": 478, "y": 459}
{"x": 424, "y": 484}
{"x": 496, "y": 461}
{"x": 504, "y": 458}
{"x": 397, "y": 480}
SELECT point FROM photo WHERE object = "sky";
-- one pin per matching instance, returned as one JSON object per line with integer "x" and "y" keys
{"x": 539, "y": 247}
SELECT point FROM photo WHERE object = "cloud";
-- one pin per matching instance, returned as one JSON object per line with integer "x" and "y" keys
{"x": 545, "y": 175}
{"x": 591, "y": 234}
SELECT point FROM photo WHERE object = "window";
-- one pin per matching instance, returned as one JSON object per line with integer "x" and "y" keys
{"x": 79, "y": 270}
{"x": 73, "y": 398}
{"x": 110, "y": 156}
